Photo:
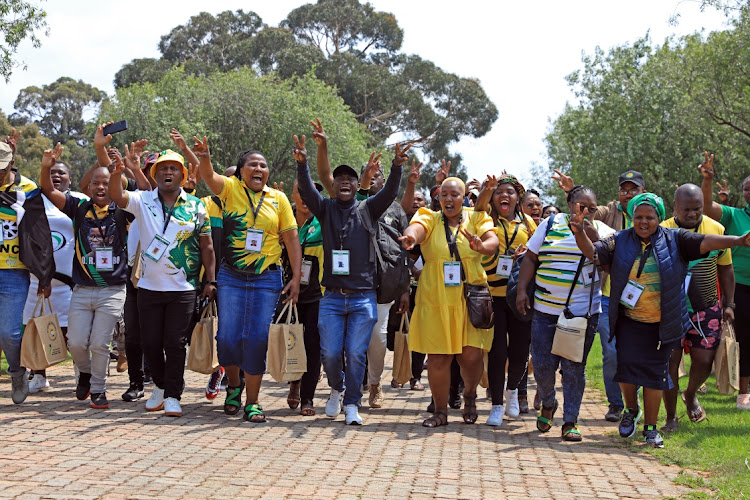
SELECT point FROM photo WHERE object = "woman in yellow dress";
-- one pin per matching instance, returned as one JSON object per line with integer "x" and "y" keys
{"x": 440, "y": 325}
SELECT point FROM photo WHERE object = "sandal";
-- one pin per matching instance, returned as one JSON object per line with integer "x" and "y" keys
{"x": 307, "y": 409}
{"x": 416, "y": 385}
{"x": 233, "y": 401}
{"x": 470, "y": 409}
{"x": 293, "y": 398}
{"x": 544, "y": 424}
{"x": 570, "y": 432}
{"x": 537, "y": 401}
{"x": 695, "y": 415}
{"x": 254, "y": 413}
{"x": 436, "y": 420}
{"x": 395, "y": 385}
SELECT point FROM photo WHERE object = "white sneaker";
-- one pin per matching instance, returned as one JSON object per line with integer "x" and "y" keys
{"x": 352, "y": 415}
{"x": 156, "y": 401}
{"x": 38, "y": 383}
{"x": 172, "y": 407}
{"x": 496, "y": 415}
{"x": 743, "y": 401}
{"x": 511, "y": 401}
{"x": 333, "y": 406}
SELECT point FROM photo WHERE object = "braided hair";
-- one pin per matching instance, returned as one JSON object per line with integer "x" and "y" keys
{"x": 578, "y": 190}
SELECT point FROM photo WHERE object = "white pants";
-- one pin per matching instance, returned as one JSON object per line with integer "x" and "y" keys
{"x": 377, "y": 348}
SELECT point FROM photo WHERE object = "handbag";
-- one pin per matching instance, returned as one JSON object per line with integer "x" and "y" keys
{"x": 401, "y": 354}
{"x": 570, "y": 333}
{"x": 286, "y": 357}
{"x": 478, "y": 297}
{"x": 203, "y": 357}
{"x": 727, "y": 362}
{"x": 511, "y": 291}
{"x": 43, "y": 344}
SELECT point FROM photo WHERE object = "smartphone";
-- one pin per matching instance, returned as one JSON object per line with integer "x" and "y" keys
{"x": 115, "y": 127}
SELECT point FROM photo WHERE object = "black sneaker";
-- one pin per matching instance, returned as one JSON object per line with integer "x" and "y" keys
{"x": 629, "y": 422}
{"x": 652, "y": 436}
{"x": 99, "y": 400}
{"x": 614, "y": 414}
{"x": 134, "y": 393}
{"x": 83, "y": 389}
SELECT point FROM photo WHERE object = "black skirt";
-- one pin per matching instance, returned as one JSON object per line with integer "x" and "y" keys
{"x": 639, "y": 362}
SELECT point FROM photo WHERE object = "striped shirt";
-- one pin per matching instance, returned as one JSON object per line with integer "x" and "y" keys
{"x": 559, "y": 257}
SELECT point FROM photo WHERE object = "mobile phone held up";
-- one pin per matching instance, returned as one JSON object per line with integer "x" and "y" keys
{"x": 115, "y": 127}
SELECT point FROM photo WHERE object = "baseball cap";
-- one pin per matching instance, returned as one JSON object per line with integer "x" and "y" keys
{"x": 170, "y": 156}
{"x": 345, "y": 169}
{"x": 632, "y": 176}
{"x": 6, "y": 155}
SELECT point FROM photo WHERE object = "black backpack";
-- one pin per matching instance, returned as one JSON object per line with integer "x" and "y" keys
{"x": 392, "y": 259}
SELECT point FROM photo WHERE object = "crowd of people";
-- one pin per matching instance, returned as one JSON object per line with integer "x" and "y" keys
{"x": 486, "y": 273}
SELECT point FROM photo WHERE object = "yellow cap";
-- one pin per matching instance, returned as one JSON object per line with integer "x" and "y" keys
{"x": 171, "y": 156}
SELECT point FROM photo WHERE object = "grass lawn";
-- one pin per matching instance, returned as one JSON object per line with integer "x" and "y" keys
{"x": 718, "y": 447}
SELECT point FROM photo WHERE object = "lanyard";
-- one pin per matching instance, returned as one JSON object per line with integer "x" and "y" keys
{"x": 255, "y": 209}
{"x": 167, "y": 214}
{"x": 644, "y": 257}
{"x": 342, "y": 232}
{"x": 513, "y": 238}
{"x": 306, "y": 233}
{"x": 451, "y": 239}
{"x": 102, "y": 228}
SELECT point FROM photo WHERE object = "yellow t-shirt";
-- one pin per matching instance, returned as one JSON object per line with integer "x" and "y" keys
{"x": 515, "y": 233}
{"x": 648, "y": 307}
{"x": 275, "y": 216}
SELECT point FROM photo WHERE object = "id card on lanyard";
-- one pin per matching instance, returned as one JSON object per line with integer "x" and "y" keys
{"x": 160, "y": 243}
{"x": 254, "y": 239}
{"x": 633, "y": 290}
{"x": 102, "y": 255}
{"x": 452, "y": 269}
{"x": 306, "y": 271}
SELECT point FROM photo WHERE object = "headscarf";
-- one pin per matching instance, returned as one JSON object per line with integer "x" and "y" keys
{"x": 648, "y": 199}
{"x": 513, "y": 181}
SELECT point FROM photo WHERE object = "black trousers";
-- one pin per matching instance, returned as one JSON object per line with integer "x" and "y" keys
{"x": 165, "y": 319}
{"x": 742, "y": 326}
{"x": 510, "y": 343}
{"x": 308, "y": 316}
{"x": 133, "y": 349}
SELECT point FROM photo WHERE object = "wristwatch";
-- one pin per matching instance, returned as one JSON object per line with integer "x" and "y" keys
{"x": 214, "y": 283}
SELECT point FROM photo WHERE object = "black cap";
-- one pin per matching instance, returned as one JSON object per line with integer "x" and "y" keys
{"x": 632, "y": 176}
{"x": 345, "y": 169}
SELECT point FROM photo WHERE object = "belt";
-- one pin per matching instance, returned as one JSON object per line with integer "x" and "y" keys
{"x": 272, "y": 267}
{"x": 343, "y": 291}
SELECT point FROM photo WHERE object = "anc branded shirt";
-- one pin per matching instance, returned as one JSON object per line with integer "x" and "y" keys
{"x": 512, "y": 234}
{"x": 737, "y": 223}
{"x": 311, "y": 239}
{"x": 702, "y": 291}
{"x": 648, "y": 307}
{"x": 178, "y": 268}
{"x": 26, "y": 189}
{"x": 559, "y": 257}
{"x": 275, "y": 216}
{"x": 97, "y": 229}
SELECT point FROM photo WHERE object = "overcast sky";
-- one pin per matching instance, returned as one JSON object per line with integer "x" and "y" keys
{"x": 520, "y": 51}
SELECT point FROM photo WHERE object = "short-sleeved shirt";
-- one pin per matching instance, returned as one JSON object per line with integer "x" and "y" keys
{"x": 179, "y": 267}
{"x": 275, "y": 217}
{"x": 9, "y": 244}
{"x": 737, "y": 223}
{"x": 559, "y": 257}
{"x": 704, "y": 273}
{"x": 98, "y": 229}
{"x": 512, "y": 234}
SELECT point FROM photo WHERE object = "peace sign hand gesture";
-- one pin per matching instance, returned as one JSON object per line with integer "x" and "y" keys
{"x": 707, "y": 167}
{"x": 566, "y": 183}
{"x": 577, "y": 219}
{"x": 200, "y": 149}
{"x": 401, "y": 156}
{"x": 299, "y": 151}
{"x": 723, "y": 193}
{"x": 475, "y": 242}
{"x": 443, "y": 172}
{"x": 415, "y": 172}
{"x": 12, "y": 139}
{"x": 52, "y": 155}
{"x": 319, "y": 135}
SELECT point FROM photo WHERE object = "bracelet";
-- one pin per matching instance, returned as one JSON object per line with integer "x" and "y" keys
{"x": 731, "y": 305}
{"x": 214, "y": 283}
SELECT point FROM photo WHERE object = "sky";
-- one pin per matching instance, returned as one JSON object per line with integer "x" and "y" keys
{"x": 520, "y": 51}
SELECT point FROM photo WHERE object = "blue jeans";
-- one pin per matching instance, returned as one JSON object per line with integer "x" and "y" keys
{"x": 15, "y": 287}
{"x": 546, "y": 365}
{"x": 246, "y": 306}
{"x": 345, "y": 323}
{"x": 609, "y": 358}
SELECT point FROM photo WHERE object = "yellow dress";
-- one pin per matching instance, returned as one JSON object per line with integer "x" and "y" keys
{"x": 440, "y": 322}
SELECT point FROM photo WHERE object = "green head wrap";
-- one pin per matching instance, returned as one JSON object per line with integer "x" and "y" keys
{"x": 648, "y": 199}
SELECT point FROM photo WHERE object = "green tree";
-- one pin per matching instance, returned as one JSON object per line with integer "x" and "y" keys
{"x": 18, "y": 20}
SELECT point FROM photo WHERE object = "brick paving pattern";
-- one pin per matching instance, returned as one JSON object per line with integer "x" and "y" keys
{"x": 54, "y": 446}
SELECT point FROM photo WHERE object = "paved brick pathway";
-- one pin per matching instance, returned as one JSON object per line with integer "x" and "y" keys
{"x": 53, "y": 446}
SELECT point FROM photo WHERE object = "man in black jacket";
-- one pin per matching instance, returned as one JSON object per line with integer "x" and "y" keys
{"x": 348, "y": 310}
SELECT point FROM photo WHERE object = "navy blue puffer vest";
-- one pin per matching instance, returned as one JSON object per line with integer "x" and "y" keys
{"x": 672, "y": 272}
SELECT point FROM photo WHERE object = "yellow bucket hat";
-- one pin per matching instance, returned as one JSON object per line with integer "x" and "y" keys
{"x": 170, "y": 156}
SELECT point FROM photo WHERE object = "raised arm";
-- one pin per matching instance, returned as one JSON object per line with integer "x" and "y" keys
{"x": 324, "y": 166}
{"x": 719, "y": 241}
{"x": 133, "y": 162}
{"x": 411, "y": 183}
{"x": 710, "y": 207}
{"x": 116, "y": 192}
{"x": 205, "y": 168}
{"x": 307, "y": 191}
{"x": 100, "y": 144}
{"x": 45, "y": 181}
{"x": 488, "y": 189}
{"x": 179, "y": 141}
{"x": 379, "y": 203}
{"x": 565, "y": 182}
{"x": 577, "y": 226}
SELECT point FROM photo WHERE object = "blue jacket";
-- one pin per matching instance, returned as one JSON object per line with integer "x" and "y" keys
{"x": 672, "y": 271}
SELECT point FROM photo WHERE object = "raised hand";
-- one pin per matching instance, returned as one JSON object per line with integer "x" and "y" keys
{"x": 319, "y": 135}
{"x": 473, "y": 184}
{"x": 299, "y": 152}
{"x": 101, "y": 140}
{"x": 296, "y": 198}
{"x": 278, "y": 186}
{"x": 200, "y": 149}
{"x": 193, "y": 177}
{"x": 443, "y": 172}
{"x": 372, "y": 167}
{"x": 52, "y": 155}
{"x": 566, "y": 183}
{"x": 401, "y": 156}
{"x": 178, "y": 140}
{"x": 12, "y": 139}
{"x": 414, "y": 172}
{"x": 723, "y": 193}
{"x": 491, "y": 183}
{"x": 577, "y": 219}
{"x": 707, "y": 167}
{"x": 119, "y": 166}
{"x": 133, "y": 154}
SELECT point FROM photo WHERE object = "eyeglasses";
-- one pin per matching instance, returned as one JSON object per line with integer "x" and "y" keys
{"x": 632, "y": 192}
